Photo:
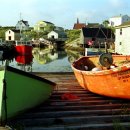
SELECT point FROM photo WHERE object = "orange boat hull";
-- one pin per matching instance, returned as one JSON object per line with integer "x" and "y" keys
{"x": 110, "y": 82}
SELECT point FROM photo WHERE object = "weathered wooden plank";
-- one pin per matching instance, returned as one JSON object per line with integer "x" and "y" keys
{"x": 89, "y": 111}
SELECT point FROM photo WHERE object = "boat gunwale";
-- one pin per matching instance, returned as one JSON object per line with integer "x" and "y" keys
{"x": 24, "y": 45}
{"x": 102, "y": 72}
{"x": 115, "y": 70}
{"x": 9, "y": 68}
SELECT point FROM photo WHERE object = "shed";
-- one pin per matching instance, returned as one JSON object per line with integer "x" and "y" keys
{"x": 58, "y": 35}
{"x": 12, "y": 35}
{"x": 96, "y": 36}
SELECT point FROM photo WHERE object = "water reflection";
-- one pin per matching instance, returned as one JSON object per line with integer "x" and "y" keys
{"x": 50, "y": 60}
{"x": 43, "y": 56}
{"x": 24, "y": 62}
{"x": 73, "y": 55}
{"x": 6, "y": 56}
{"x": 45, "y": 60}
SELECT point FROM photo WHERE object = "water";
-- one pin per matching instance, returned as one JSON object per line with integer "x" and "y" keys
{"x": 45, "y": 60}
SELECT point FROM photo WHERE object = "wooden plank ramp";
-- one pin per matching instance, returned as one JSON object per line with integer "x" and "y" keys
{"x": 88, "y": 111}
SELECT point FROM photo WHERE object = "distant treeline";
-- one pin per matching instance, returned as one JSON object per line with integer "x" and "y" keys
{"x": 72, "y": 35}
{"x": 31, "y": 34}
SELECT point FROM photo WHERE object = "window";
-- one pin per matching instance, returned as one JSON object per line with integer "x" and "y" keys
{"x": 121, "y": 31}
{"x": 120, "y": 43}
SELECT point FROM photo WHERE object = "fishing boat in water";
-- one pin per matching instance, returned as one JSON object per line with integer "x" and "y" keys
{"x": 23, "y": 48}
{"x": 107, "y": 74}
{"x": 20, "y": 91}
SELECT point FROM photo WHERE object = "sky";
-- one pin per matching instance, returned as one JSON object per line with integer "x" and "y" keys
{"x": 62, "y": 13}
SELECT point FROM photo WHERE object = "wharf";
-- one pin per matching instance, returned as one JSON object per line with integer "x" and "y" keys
{"x": 89, "y": 112}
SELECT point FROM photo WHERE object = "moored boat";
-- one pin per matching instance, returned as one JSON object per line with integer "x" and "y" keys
{"x": 112, "y": 80}
{"x": 20, "y": 91}
{"x": 23, "y": 48}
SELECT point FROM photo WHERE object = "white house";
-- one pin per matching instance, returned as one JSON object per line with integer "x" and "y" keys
{"x": 12, "y": 35}
{"x": 53, "y": 34}
{"x": 122, "y": 39}
{"x": 61, "y": 35}
{"x": 118, "y": 20}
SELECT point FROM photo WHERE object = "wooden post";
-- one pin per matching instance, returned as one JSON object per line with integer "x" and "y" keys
{"x": 86, "y": 51}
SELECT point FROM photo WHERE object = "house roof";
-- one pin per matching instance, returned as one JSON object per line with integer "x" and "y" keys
{"x": 47, "y": 22}
{"x": 16, "y": 31}
{"x": 79, "y": 25}
{"x": 25, "y": 22}
{"x": 98, "y": 32}
{"x": 119, "y": 16}
{"x": 123, "y": 25}
{"x": 94, "y": 25}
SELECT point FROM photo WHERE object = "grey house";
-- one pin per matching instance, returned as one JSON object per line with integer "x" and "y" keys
{"x": 96, "y": 37}
{"x": 22, "y": 25}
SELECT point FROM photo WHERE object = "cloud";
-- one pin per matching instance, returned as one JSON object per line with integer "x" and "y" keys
{"x": 119, "y": 3}
{"x": 115, "y": 3}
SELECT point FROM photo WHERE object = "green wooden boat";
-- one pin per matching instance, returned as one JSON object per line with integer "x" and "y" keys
{"x": 20, "y": 91}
